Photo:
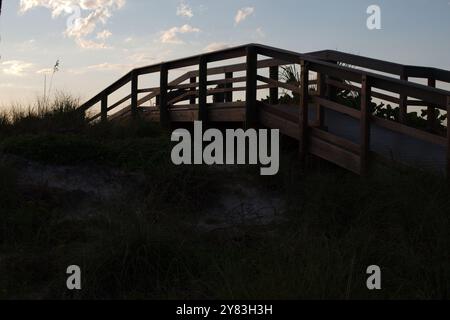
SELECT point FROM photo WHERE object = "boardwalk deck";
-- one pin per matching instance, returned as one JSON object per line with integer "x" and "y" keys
{"x": 346, "y": 136}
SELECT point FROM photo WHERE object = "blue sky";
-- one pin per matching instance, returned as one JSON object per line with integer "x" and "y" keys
{"x": 112, "y": 36}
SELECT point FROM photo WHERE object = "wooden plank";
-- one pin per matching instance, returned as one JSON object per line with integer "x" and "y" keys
{"x": 335, "y": 154}
{"x": 303, "y": 110}
{"x": 273, "y": 121}
{"x": 251, "y": 83}
{"x": 409, "y": 131}
{"x": 337, "y": 107}
{"x": 323, "y": 91}
{"x": 203, "y": 89}
{"x": 365, "y": 125}
{"x": 279, "y": 84}
{"x": 336, "y": 140}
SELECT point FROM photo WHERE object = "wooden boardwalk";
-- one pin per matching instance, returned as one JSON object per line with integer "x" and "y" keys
{"x": 349, "y": 137}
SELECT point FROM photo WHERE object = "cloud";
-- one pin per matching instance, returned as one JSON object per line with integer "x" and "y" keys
{"x": 216, "y": 46}
{"x": 184, "y": 10}
{"x": 16, "y": 68}
{"x": 105, "y": 34}
{"x": 79, "y": 27}
{"x": 243, "y": 14}
{"x": 171, "y": 35}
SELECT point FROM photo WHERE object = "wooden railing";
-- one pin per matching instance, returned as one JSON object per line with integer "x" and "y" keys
{"x": 333, "y": 71}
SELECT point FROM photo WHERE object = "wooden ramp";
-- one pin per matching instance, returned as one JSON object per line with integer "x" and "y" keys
{"x": 350, "y": 137}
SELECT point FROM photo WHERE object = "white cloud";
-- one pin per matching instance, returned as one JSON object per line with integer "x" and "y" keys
{"x": 105, "y": 34}
{"x": 184, "y": 10}
{"x": 216, "y": 46}
{"x": 78, "y": 27}
{"x": 171, "y": 35}
{"x": 243, "y": 14}
{"x": 16, "y": 67}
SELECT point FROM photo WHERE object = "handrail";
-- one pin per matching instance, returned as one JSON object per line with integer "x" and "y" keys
{"x": 432, "y": 95}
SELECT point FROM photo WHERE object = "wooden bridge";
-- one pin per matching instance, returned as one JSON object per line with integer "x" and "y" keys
{"x": 348, "y": 137}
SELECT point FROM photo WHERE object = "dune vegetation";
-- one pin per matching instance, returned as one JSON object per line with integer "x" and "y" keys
{"x": 144, "y": 242}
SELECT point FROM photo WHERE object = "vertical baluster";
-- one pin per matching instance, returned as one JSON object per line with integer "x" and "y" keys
{"x": 431, "y": 110}
{"x": 134, "y": 94}
{"x": 104, "y": 108}
{"x": 274, "y": 74}
{"x": 203, "y": 89}
{"x": 323, "y": 93}
{"x": 164, "y": 110}
{"x": 229, "y": 94}
{"x": 403, "y": 112}
{"x": 303, "y": 112}
{"x": 251, "y": 94}
{"x": 365, "y": 124}
{"x": 193, "y": 98}
{"x": 448, "y": 137}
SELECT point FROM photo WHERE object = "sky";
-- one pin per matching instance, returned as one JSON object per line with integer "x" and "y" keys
{"x": 97, "y": 41}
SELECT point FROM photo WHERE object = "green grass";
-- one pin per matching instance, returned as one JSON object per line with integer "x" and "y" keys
{"x": 143, "y": 244}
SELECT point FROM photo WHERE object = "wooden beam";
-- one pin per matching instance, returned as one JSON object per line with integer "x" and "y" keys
{"x": 431, "y": 110}
{"x": 303, "y": 112}
{"x": 365, "y": 124}
{"x": 251, "y": 117}
{"x": 163, "y": 99}
{"x": 104, "y": 108}
{"x": 229, "y": 85}
{"x": 134, "y": 95}
{"x": 403, "y": 116}
{"x": 448, "y": 137}
{"x": 203, "y": 89}
{"x": 323, "y": 90}
{"x": 274, "y": 74}
{"x": 193, "y": 98}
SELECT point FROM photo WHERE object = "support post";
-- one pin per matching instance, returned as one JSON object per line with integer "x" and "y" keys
{"x": 274, "y": 74}
{"x": 303, "y": 112}
{"x": 192, "y": 99}
{"x": 229, "y": 94}
{"x": 134, "y": 95}
{"x": 366, "y": 92}
{"x": 203, "y": 89}
{"x": 431, "y": 110}
{"x": 403, "y": 106}
{"x": 448, "y": 138}
{"x": 322, "y": 88}
{"x": 104, "y": 108}
{"x": 163, "y": 101}
{"x": 251, "y": 116}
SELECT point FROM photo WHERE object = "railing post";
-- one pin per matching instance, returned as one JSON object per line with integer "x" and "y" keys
{"x": 366, "y": 99}
{"x": 104, "y": 108}
{"x": 274, "y": 74}
{"x": 303, "y": 112}
{"x": 202, "y": 89}
{"x": 192, "y": 99}
{"x": 431, "y": 110}
{"x": 229, "y": 95}
{"x": 403, "y": 106}
{"x": 448, "y": 138}
{"x": 322, "y": 88}
{"x": 134, "y": 95}
{"x": 163, "y": 85}
{"x": 251, "y": 117}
